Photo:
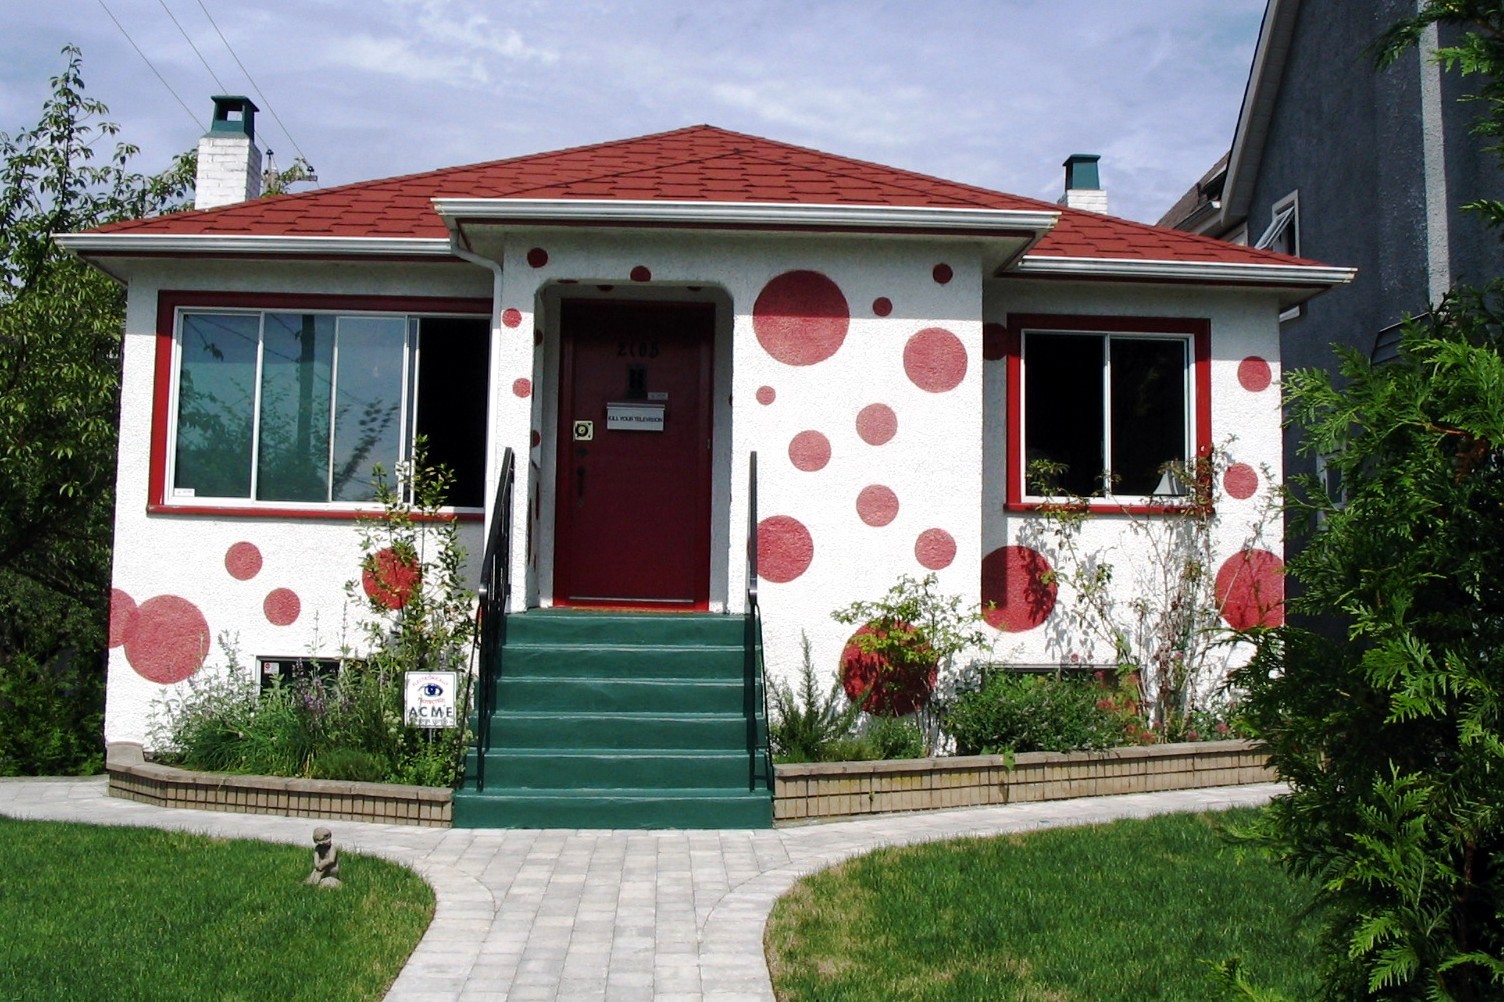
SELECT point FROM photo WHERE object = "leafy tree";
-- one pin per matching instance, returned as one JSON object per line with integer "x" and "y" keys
{"x": 1392, "y": 740}
{"x": 60, "y": 328}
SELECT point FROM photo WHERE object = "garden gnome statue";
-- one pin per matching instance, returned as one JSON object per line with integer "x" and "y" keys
{"x": 325, "y": 860}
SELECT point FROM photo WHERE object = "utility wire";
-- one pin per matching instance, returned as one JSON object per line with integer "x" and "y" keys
{"x": 200, "y": 55}
{"x": 252, "y": 80}
{"x": 148, "y": 62}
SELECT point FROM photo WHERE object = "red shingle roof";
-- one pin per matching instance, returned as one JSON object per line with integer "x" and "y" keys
{"x": 698, "y": 163}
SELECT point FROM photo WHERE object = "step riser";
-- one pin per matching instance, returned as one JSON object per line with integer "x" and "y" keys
{"x": 607, "y": 628}
{"x": 620, "y": 732}
{"x": 614, "y": 695}
{"x": 580, "y": 772}
{"x": 694, "y": 663}
{"x": 603, "y": 812}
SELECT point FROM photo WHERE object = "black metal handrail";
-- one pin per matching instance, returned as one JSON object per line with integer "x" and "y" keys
{"x": 754, "y": 684}
{"x": 495, "y": 596}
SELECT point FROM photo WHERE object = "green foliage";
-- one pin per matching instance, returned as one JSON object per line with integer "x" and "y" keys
{"x": 229, "y": 918}
{"x": 808, "y": 725}
{"x": 888, "y": 738}
{"x": 1392, "y": 740}
{"x": 53, "y": 715}
{"x": 1013, "y": 713}
{"x": 60, "y": 325}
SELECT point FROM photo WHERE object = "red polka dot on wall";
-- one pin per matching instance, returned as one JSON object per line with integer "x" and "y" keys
{"x": 641, "y": 274}
{"x": 1018, "y": 592}
{"x": 935, "y": 549}
{"x": 766, "y": 395}
{"x": 169, "y": 641}
{"x": 801, "y": 318}
{"x": 877, "y": 505}
{"x": 389, "y": 579}
{"x": 785, "y": 548}
{"x": 1240, "y": 481}
{"x": 511, "y": 317}
{"x": 935, "y": 360}
{"x": 887, "y": 688}
{"x": 1254, "y": 373}
{"x": 809, "y": 451}
{"x": 1250, "y": 589}
{"x": 882, "y": 306}
{"x": 243, "y": 561}
{"x": 876, "y": 424}
{"x": 124, "y": 617}
{"x": 942, "y": 273}
{"x": 537, "y": 257}
{"x": 522, "y": 387}
{"x": 282, "y": 607}
{"x": 994, "y": 342}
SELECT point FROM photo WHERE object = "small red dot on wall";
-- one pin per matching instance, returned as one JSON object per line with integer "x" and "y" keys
{"x": 935, "y": 549}
{"x": 994, "y": 342}
{"x": 1240, "y": 481}
{"x": 511, "y": 317}
{"x": 243, "y": 561}
{"x": 536, "y": 439}
{"x": 882, "y": 306}
{"x": 641, "y": 274}
{"x": 282, "y": 607}
{"x": 784, "y": 548}
{"x": 877, "y": 505}
{"x": 809, "y": 451}
{"x": 766, "y": 395}
{"x": 537, "y": 257}
{"x": 876, "y": 424}
{"x": 1254, "y": 374}
{"x": 935, "y": 360}
{"x": 942, "y": 273}
{"x": 522, "y": 387}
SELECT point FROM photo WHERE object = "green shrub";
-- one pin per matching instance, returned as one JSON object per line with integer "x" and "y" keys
{"x": 1020, "y": 713}
{"x": 808, "y": 726}
{"x": 350, "y": 764}
{"x": 53, "y": 716}
{"x": 894, "y": 737}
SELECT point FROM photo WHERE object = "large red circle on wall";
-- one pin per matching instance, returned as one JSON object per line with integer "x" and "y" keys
{"x": 888, "y": 686}
{"x": 801, "y": 317}
{"x": 1250, "y": 589}
{"x": 388, "y": 578}
{"x": 1018, "y": 590}
{"x": 784, "y": 548}
{"x": 170, "y": 641}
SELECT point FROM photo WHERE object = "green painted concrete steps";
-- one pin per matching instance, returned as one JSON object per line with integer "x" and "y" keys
{"x": 619, "y": 720}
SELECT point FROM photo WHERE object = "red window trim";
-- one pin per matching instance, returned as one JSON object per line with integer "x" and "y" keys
{"x": 169, "y": 301}
{"x": 1200, "y": 332}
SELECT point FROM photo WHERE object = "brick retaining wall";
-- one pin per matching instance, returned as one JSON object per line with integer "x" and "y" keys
{"x": 850, "y": 789}
{"x": 133, "y": 778}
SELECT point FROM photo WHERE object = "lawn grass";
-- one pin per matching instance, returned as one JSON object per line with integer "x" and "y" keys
{"x": 1126, "y": 911}
{"x": 133, "y": 913}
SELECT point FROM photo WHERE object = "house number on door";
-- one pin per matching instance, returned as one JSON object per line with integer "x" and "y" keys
{"x": 637, "y": 349}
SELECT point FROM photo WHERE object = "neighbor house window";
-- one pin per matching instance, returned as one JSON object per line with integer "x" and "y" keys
{"x": 297, "y": 406}
{"x": 1283, "y": 235}
{"x": 1105, "y": 407}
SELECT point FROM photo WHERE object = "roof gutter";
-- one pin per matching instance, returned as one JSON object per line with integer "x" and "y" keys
{"x": 219, "y": 243}
{"x": 1309, "y": 279}
{"x": 769, "y": 215}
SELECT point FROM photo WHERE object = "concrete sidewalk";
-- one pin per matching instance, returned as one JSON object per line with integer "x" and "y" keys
{"x": 621, "y": 915}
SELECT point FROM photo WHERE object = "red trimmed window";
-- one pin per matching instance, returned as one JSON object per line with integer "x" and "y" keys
{"x": 1104, "y": 407}
{"x": 287, "y": 403}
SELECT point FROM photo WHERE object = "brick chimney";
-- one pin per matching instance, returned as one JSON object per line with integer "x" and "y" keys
{"x": 1083, "y": 190}
{"x": 229, "y": 164}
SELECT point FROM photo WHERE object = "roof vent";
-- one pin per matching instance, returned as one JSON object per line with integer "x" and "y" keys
{"x": 1083, "y": 190}
{"x": 229, "y": 164}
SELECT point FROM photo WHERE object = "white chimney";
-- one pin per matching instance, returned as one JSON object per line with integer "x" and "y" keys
{"x": 229, "y": 164}
{"x": 1082, "y": 188}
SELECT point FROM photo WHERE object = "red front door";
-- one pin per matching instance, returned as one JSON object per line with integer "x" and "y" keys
{"x": 632, "y": 523}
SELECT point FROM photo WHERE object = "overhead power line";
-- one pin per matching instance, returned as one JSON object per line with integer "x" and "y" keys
{"x": 128, "y": 38}
{"x": 259, "y": 94}
{"x": 201, "y": 59}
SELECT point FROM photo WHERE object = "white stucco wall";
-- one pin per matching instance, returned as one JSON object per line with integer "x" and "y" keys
{"x": 900, "y": 395}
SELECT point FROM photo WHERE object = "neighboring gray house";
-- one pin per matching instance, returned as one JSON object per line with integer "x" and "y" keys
{"x": 1339, "y": 161}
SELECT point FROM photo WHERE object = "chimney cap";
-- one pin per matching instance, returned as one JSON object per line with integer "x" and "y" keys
{"x": 234, "y": 115}
{"x": 1081, "y": 171}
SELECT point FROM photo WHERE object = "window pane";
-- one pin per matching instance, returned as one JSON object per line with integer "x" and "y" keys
{"x": 293, "y": 451}
{"x": 1063, "y": 410}
{"x": 216, "y": 402}
{"x": 1148, "y": 411}
{"x": 368, "y": 402}
{"x": 453, "y": 366}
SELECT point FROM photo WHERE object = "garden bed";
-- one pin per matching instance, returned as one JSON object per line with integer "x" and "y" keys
{"x": 134, "y": 778}
{"x": 832, "y": 790}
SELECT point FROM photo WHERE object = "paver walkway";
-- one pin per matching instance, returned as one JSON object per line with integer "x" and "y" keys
{"x": 573, "y": 915}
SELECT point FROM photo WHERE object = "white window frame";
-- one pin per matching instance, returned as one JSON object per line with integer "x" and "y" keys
{"x": 407, "y": 416}
{"x": 1284, "y": 216}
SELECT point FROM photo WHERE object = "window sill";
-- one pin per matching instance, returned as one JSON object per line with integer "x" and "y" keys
{"x": 1102, "y": 507}
{"x": 330, "y": 513}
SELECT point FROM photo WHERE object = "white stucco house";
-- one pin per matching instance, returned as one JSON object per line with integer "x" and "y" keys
{"x": 633, "y": 319}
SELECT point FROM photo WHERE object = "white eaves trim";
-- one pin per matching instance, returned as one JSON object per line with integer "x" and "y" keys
{"x": 648, "y": 212}
{"x": 1185, "y": 271}
{"x": 217, "y": 243}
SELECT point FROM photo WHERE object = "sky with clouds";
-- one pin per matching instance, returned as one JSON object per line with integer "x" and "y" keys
{"x": 989, "y": 92}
